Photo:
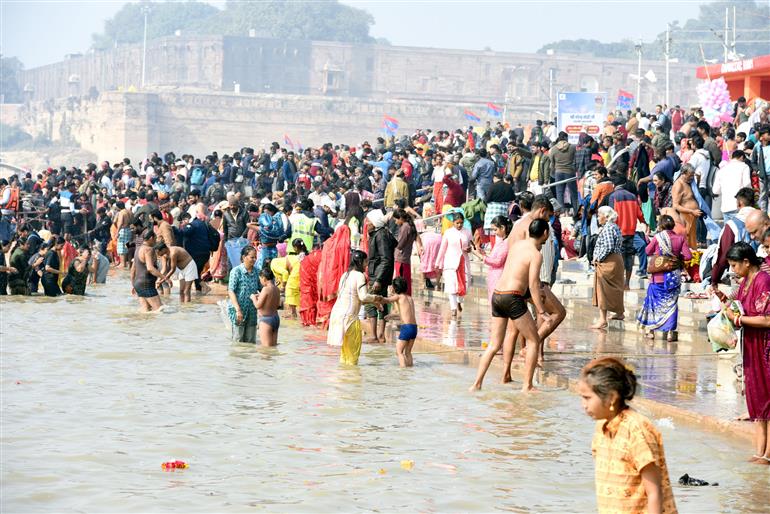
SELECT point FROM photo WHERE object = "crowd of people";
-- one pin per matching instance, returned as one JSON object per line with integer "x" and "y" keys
{"x": 330, "y": 233}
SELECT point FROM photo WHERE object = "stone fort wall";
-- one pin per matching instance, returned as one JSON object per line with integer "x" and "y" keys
{"x": 206, "y": 93}
{"x": 261, "y": 65}
{"x": 133, "y": 124}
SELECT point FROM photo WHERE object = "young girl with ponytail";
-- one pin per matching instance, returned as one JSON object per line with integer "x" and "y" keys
{"x": 631, "y": 472}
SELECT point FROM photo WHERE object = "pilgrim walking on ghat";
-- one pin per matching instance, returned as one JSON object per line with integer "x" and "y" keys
{"x": 452, "y": 260}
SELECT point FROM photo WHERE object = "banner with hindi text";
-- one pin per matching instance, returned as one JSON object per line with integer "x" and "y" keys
{"x": 581, "y": 112}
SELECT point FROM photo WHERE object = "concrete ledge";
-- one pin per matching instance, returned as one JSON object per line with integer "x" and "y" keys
{"x": 471, "y": 357}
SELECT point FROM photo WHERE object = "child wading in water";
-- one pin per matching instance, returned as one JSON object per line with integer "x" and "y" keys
{"x": 408, "y": 332}
{"x": 267, "y": 303}
{"x": 631, "y": 472}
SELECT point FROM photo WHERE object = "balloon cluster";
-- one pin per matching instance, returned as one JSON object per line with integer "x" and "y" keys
{"x": 715, "y": 101}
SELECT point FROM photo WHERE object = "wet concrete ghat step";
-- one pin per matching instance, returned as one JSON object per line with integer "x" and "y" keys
{"x": 577, "y": 306}
{"x": 569, "y": 294}
{"x": 552, "y": 378}
{"x": 572, "y": 283}
{"x": 694, "y": 308}
{"x": 685, "y": 322}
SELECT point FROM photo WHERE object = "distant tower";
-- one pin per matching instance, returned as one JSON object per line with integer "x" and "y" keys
{"x": 74, "y": 85}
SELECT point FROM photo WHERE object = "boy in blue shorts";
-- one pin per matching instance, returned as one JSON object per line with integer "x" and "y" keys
{"x": 405, "y": 306}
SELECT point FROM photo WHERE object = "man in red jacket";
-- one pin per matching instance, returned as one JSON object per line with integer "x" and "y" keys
{"x": 626, "y": 204}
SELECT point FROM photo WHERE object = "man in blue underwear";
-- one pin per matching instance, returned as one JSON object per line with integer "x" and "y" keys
{"x": 408, "y": 332}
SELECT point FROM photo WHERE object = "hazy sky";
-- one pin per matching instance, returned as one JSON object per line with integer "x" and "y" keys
{"x": 41, "y": 32}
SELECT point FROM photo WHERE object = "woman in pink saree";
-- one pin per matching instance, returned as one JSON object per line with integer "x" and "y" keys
{"x": 495, "y": 259}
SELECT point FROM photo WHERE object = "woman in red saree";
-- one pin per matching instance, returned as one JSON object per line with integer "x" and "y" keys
{"x": 308, "y": 286}
{"x": 335, "y": 258}
{"x": 754, "y": 295}
{"x": 68, "y": 254}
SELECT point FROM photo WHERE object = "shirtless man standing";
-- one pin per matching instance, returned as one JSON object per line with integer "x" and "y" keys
{"x": 685, "y": 203}
{"x": 181, "y": 263}
{"x": 165, "y": 234}
{"x": 521, "y": 276}
{"x": 145, "y": 274}
{"x": 542, "y": 209}
{"x": 267, "y": 303}
{"x": 163, "y": 229}
{"x": 123, "y": 229}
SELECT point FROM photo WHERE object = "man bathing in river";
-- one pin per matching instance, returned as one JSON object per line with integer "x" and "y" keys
{"x": 181, "y": 263}
{"x": 520, "y": 281}
{"x": 145, "y": 274}
{"x": 267, "y": 303}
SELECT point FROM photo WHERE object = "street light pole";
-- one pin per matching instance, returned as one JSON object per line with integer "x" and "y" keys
{"x": 145, "y": 11}
{"x": 550, "y": 94}
{"x": 667, "y": 54}
{"x": 638, "y": 48}
{"x": 727, "y": 31}
{"x": 732, "y": 49}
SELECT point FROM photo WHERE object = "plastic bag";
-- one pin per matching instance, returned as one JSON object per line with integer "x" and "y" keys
{"x": 233, "y": 248}
{"x": 721, "y": 331}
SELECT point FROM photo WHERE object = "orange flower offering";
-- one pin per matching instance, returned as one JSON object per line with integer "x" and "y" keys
{"x": 177, "y": 464}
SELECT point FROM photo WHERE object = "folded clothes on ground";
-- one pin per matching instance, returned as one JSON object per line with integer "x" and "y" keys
{"x": 688, "y": 480}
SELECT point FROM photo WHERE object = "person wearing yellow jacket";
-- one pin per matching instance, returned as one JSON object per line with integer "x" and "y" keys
{"x": 286, "y": 270}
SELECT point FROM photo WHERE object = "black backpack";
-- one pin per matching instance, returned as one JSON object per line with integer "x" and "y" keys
{"x": 213, "y": 238}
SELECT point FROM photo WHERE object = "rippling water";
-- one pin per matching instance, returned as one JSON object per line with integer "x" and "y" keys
{"x": 96, "y": 396}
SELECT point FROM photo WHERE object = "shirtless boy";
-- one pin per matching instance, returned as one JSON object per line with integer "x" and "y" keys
{"x": 685, "y": 203}
{"x": 267, "y": 303}
{"x": 519, "y": 281}
{"x": 123, "y": 230}
{"x": 408, "y": 333}
{"x": 181, "y": 263}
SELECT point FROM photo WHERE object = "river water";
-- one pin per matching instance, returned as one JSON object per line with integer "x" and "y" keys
{"x": 95, "y": 396}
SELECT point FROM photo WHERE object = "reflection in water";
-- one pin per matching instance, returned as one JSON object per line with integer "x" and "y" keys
{"x": 96, "y": 396}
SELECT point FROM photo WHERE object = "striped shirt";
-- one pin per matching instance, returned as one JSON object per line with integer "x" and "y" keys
{"x": 621, "y": 448}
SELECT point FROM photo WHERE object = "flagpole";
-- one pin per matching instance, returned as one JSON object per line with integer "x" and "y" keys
{"x": 638, "y": 48}
{"x": 505, "y": 108}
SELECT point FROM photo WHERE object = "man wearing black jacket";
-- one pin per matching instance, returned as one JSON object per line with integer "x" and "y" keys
{"x": 101, "y": 232}
{"x": 382, "y": 247}
{"x": 196, "y": 241}
{"x": 234, "y": 220}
